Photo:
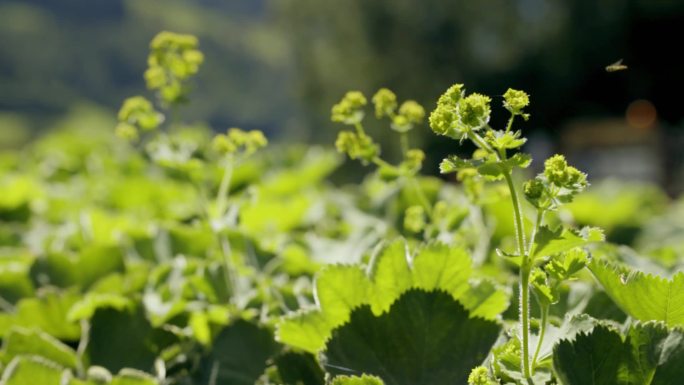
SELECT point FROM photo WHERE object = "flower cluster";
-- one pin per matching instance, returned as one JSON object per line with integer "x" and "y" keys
{"x": 480, "y": 376}
{"x": 456, "y": 115}
{"x": 357, "y": 146}
{"x": 236, "y": 141}
{"x": 410, "y": 114}
{"x": 385, "y": 102}
{"x": 350, "y": 109}
{"x": 173, "y": 59}
{"x": 137, "y": 114}
{"x": 559, "y": 183}
{"x": 515, "y": 101}
{"x": 414, "y": 219}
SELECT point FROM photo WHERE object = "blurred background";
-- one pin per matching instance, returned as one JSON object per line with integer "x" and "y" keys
{"x": 279, "y": 65}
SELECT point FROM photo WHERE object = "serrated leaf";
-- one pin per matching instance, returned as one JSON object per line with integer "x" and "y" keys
{"x": 440, "y": 267}
{"x": 549, "y": 242}
{"x": 425, "y": 338}
{"x": 492, "y": 169}
{"x": 31, "y": 370}
{"x": 86, "y": 307}
{"x": 649, "y": 354}
{"x": 133, "y": 377}
{"x": 520, "y": 160}
{"x": 453, "y": 164}
{"x": 299, "y": 368}
{"x": 390, "y": 275}
{"x": 238, "y": 355}
{"x": 122, "y": 339}
{"x": 485, "y": 299}
{"x": 47, "y": 313}
{"x": 21, "y": 342}
{"x": 306, "y": 330}
{"x": 339, "y": 289}
{"x": 594, "y": 358}
{"x": 342, "y": 288}
{"x": 643, "y": 296}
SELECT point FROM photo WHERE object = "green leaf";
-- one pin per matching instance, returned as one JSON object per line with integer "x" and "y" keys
{"x": 594, "y": 358}
{"x": 353, "y": 380}
{"x": 19, "y": 342}
{"x": 299, "y": 368}
{"x": 80, "y": 269}
{"x": 643, "y": 296}
{"x": 425, "y": 338}
{"x": 122, "y": 339}
{"x": 304, "y": 329}
{"x": 128, "y": 376}
{"x": 485, "y": 299}
{"x": 391, "y": 276}
{"x": 15, "y": 281}
{"x": 86, "y": 307}
{"x": 339, "y": 289}
{"x": 650, "y": 354}
{"x": 48, "y": 313}
{"x": 31, "y": 370}
{"x": 519, "y": 159}
{"x": 238, "y": 355}
{"x": 453, "y": 164}
{"x": 550, "y": 242}
{"x": 440, "y": 267}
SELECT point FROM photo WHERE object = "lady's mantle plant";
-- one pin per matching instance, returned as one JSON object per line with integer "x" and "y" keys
{"x": 466, "y": 117}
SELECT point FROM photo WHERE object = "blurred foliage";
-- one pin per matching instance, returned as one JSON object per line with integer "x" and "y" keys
{"x": 280, "y": 64}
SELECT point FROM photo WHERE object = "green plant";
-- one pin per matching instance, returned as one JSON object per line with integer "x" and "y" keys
{"x": 460, "y": 117}
{"x": 180, "y": 256}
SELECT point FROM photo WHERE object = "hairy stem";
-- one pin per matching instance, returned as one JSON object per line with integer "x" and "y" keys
{"x": 510, "y": 123}
{"x": 525, "y": 267}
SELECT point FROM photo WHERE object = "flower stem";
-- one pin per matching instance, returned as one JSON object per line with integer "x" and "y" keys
{"x": 544, "y": 321}
{"x": 525, "y": 269}
{"x": 222, "y": 194}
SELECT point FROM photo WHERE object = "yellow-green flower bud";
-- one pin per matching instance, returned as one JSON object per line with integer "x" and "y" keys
{"x": 173, "y": 58}
{"x": 350, "y": 109}
{"x": 139, "y": 112}
{"x": 237, "y": 140}
{"x": 414, "y": 112}
{"x": 555, "y": 169}
{"x": 576, "y": 178}
{"x": 155, "y": 77}
{"x": 480, "y": 376}
{"x": 222, "y": 145}
{"x": 533, "y": 189}
{"x": 451, "y": 96}
{"x": 127, "y": 132}
{"x": 414, "y": 219}
{"x": 385, "y": 102}
{"x": 410, "y": 113}
{"x": 515, "y": 101}
{"x": 474, "y": 111}
{"x": 357, "y": 146}
{"x": 443, "y": 120}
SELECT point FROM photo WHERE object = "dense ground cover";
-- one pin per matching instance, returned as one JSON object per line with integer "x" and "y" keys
{"x": 173, "y": 255}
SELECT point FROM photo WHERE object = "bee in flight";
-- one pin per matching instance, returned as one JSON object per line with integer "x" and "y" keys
{"x": 617, "y": 66}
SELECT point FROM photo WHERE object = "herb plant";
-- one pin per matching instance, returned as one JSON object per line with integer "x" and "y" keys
{"x": 179, "y": 254}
